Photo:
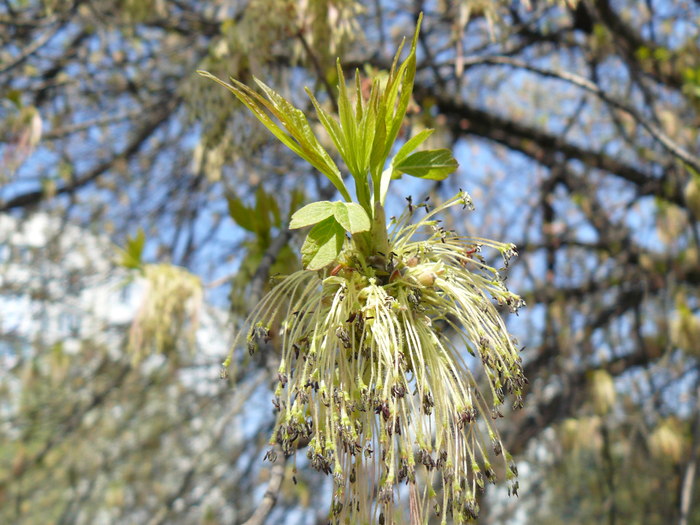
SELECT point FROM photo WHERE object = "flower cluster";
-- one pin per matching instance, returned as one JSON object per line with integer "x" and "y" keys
{"x": 373, "y": 378}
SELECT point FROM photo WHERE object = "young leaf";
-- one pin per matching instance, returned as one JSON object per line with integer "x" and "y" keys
{"x": 240, "y": 213}
{"x": 132, "y": 253}
{"x": 332, "y": 126}
{"x": 311, "y": 214}
{"x": 262, "y": 212}
{"x": 274, "y": 208}
{"x": 296, "y": 200}
{"x": 411, "y": 145}
{"x": 404, "y": 77}
{"x": 434, "y": 164}
{"x": 348, "y": 124}
{"x": 300, "y": 141}
{"x": 323, "y": 244}
{"x": 351, "y": 216}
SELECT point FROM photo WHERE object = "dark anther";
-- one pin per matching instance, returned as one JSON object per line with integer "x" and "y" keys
{"x": 471, "y": 509}
{"x": 383, "y": 409}
{"x": 398, "y": 391}
{"x": 497, "y": 448}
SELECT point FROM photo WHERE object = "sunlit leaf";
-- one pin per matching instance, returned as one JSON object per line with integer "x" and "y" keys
{"x": 311, "y": 214}
{"x": 323, "y": 244}
{"x": 430, "y": 164}
{"x": 411, "y": 144}
{"x": 351, "y": 216}
{"x": 133, "y": 251}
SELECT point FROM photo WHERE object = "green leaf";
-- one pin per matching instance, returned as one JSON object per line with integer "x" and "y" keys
{"x": 404, "y": 78}
{"x": 312, "y": 214}
{"x": 348, "y": 124}
{"x": 240, "y": 213}
{"x": 332, "y": 126}
{"x": 131, "y": 256}
{"x": 296, "y": 200}
{"x": 323, "y": 244}
{"x": 411, "y": 145}
{"x": 351, "y": 216}
{"x": 15, "y": 96}
{"x": 301, "y": 141}
{"x": 435, "y": 164}
{"x": 274, "y": 208}
{"x": 262, "y": 212}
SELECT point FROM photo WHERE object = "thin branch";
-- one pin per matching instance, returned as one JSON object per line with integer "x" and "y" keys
{"x": 30, "y": 50}
{"x": 657, "y": 133}
{"x": 539, "y": 144}
{"x": 64, "y": 131}
{"x": 35, "y": 197}
{"x": 273, "y": 489}
{"x": 319, "y": 70}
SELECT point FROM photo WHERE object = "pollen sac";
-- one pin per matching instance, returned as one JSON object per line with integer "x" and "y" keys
{"x": 427, "y": 278}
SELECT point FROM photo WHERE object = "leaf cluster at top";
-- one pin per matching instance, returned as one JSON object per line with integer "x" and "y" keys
{"x": 364, "y": 134}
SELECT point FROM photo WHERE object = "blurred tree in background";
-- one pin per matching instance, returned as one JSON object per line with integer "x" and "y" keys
{"x": 576, "y": 126}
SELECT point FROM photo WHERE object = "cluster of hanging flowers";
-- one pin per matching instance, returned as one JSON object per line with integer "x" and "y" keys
{"x": 373, "y": 378}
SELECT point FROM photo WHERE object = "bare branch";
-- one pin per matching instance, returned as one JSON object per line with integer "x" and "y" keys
{"x": 667, "y": 142}
{"x": 273, "y": 488}
{"x": 35, "y": 197}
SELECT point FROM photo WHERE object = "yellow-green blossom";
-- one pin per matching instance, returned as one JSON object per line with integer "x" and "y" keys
{"x": 373, "y": 376}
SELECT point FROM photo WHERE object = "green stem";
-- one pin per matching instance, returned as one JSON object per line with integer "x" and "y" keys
{"x": 380, "y": 238}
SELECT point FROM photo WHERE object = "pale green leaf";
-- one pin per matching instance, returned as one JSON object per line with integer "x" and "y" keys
{"x": 351, "y": 216}
{"x": 332, "y": 126}
{"x": 311, "y": 214}
{"x": 240, "y": 213}
{"x": 430, "y": 164}
{"x": 411, "y": 145}
{"x": 301, "y": 143}
{"x": 323, "y": 244}
{"x": 133, "y": 252}
{"x": 404, "y": 78}
{"x": 262, "y": 212}
{"x": 348, "y": 124}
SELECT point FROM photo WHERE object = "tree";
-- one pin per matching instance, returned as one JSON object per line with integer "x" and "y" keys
{"x": 576, "y": 129}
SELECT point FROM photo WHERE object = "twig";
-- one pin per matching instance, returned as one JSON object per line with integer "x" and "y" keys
{"x": 273, "y": 488}
{"x": 30, "y": 50}
{"x": 319, "y": 70}
{"x": 582, "y": 82}
{"x": 35, "y": 197}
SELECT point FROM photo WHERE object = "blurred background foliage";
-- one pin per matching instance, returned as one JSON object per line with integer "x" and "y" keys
{"x": 576, "y": 127}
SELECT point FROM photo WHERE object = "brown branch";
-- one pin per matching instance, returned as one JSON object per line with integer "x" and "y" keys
{"x": 273, "y": 488}
{"x": 35, "y": 197}
{"x": 527, "y": 425}
{"x": 30, "y": 50}
{"x": 540, "y": 145}
{"x": 655, "y": 131}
